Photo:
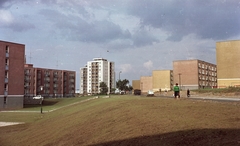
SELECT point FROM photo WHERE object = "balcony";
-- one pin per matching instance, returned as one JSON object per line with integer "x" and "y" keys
{"x": 6, "y": 67}
{"x": 7, "y": 55}
{"x": 6, "y": 80}
{"x": 5, "y": 93}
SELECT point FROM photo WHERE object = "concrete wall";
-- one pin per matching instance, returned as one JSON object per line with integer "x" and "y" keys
{"x": 162, "y": 79}
{"x": 136, "y": 84}
{"x": 228, "y": 63}
{"x": 146, "y": 83}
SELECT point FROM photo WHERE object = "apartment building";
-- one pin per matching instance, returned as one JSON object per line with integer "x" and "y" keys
{"x": 83, "y": 80}
{"x": 11, "y": 75}
{"x": 97, "y": 71}
{"x": 162, "y": 80}
{"x": 54, "y": 83}
{"x": 136, "y": 84}
{"x": 146, "y": 83}
{"x": 228, "y": 63}
{"x": 194, "y": 74}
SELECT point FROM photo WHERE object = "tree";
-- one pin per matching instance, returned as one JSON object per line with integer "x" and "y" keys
{"x": 123, "y": 85}
{"x": 103, "y": 88}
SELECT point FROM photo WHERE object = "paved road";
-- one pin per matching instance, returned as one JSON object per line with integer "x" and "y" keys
{"x": 226, "y": 99}
{"x": 222, "y": 99}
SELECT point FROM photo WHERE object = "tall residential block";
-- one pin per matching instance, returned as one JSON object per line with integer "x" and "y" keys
{"x": 194, "y": 74}
{"x": 97, "y": 71}
{"x": 83, "y": 80}
{"x": 12, "y": 56}
{"x": 54, "y": 83}
{"x": 162, "y": 80}
{"x": 228, "y": 63}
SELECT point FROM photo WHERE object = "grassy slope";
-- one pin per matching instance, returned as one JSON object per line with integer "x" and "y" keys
{"x": 128, "y": 120}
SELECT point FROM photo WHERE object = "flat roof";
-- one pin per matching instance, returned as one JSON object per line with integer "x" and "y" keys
{"x": 11, "y": 42}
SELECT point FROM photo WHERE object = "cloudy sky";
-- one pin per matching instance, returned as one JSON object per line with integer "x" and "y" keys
{"x": 138, "y": 35}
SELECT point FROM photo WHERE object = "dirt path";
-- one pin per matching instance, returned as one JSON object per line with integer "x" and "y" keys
{"x": 9, "y": 123}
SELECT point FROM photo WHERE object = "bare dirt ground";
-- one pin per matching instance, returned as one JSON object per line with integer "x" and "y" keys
{"x": 131, "y": 121}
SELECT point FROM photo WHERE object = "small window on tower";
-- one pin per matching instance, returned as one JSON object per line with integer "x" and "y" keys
{"x": 5, "y": 100}
{"x": 7, "y": 49}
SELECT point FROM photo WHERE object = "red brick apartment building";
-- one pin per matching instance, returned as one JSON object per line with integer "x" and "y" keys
{"x": 194, "y": 74}
{"x": 55, "y": 83}
{"x": 11, "y": 75}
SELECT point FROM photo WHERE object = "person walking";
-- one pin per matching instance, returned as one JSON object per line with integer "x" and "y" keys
{"x": 188, "y": 93}
{"x": 176, "y": 91}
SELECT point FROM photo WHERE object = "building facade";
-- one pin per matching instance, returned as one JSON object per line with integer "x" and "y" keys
{"x": 162, "y": 80}
{"x": 83, "y": 80}
{"x": 194, "y": 74}
{"x": 54, "y": 83}
{"x": 12, "y": 56}
{"x": 228, "y": 63}
{"x": 136, "y": 84}
{"x": 97, "y": 71}
{"x": 146, "y": 83}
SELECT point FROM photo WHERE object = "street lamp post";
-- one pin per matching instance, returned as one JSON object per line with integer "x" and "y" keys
{"x": 179, "y": 78}
{"x": 41, "y": 89}
{"x": 119, "y": 75}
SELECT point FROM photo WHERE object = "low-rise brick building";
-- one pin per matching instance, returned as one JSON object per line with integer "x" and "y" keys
{"x": 194, "y": 74}
{"x": 55, "y": 83}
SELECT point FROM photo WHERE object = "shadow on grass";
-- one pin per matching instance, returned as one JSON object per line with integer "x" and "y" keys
{"x": 226, "y": 137}
{"x": 45, "y": 103}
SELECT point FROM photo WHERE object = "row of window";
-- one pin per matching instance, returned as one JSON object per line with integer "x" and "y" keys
{"x": 207, "y": 67}
{"x": 207, "y": 72}
{"x": 6, "y": 75}
{"x": 208, "y": 78}
{"x": 203, "y": 83}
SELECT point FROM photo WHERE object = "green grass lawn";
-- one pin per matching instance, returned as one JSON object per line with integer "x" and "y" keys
{"x": 219, "y": 90}
{"x": 126, "y": 120}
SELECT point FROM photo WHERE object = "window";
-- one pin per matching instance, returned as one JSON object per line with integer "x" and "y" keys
{"x": 7, "y": 49}
{"x": 5, "y": 100}
{"x": 6, "y": 87}
{"x": 7, "y": 61}
{"x": 6, "y": 74}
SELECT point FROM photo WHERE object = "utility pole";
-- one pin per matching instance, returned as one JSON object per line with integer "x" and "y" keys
{"x": 179, "y": 79}
{"x": 119, "y": 75}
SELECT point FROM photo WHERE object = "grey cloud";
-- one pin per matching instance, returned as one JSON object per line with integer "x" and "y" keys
{"x": 9, "y": 3}
{"x": 211, "y": 19}
{"x": 143, "y": 38}
{"x": 77, "y": 29}
{"x": 5, "y": 3}
{"x": 21, "y": 26}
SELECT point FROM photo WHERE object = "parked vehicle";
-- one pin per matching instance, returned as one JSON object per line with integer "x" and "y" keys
{"x": 137, "y": 92}
{"x": 38, "y": 97}
{"x": 150, "y": 93}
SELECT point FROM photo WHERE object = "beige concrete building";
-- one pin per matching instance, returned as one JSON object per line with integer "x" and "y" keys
{"x": 146, "y": 84}
{"x": 194, "y": 74}
{"x": 136, "y": 84}
{"x": 162, "y": 80}
{"x": 228, "y": 63}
